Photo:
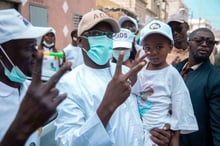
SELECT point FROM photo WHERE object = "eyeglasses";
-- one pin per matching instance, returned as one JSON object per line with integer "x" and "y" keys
{"x": 200, "y": 41}
{"x": 98, "y": 33}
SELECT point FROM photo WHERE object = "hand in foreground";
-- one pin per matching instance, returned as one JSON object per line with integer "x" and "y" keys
{"x": 117, "y": 91}
{"x": 38, "y": 105}
{"x": 137, "y": 60}
{"x": 162, "y": 136}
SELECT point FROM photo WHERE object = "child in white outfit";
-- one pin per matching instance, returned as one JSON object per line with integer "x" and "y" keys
{"x": 163, "y": 96}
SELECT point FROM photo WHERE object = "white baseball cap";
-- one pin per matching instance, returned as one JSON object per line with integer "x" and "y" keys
{"x": 123, "y": 39}
{"x": 14, "y": 26}
{"x": 156, "y": 27}
{"x": 122, "y": 19}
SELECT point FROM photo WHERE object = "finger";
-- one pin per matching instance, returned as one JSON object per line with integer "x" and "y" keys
{"x": 166, "y": 126}
{"x": 59, "y": 99}
{"x": 55, "y": 78}
{"x": 119, "y": 64}
{"x": 143, "y": 57}
{"x": 159, "y": 136}
{"x": 158, "y": 141}
{"x": 36, "y": 72}
{"x": 138, "y": 53}
{"x": 134, "y": 70}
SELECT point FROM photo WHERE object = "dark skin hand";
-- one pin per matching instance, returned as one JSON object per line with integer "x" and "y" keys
{"x": 117, "y": 91}
{"x": 38, "y": 105}
{"x": 163, "y": 136}
{"x": 136, "y": 61}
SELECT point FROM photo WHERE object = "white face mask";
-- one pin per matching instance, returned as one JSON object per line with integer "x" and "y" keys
{"x": 51, "y": 45}
{"x": 116, "y": 53}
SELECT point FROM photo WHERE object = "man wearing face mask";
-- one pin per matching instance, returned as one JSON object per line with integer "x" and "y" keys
{"x": 99, "y": 110}
{"x": 24, "y": 106}
{"x": 122, "y": 41}
{"x": 51, "y": 64}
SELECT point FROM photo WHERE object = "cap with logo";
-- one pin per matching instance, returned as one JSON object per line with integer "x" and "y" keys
{"x": 14, "y": 26}
{"x": 123, "y": 39}
{"x": 122, "y": 19}
{"x": 156, "y": 27}
{"x": 92, "y": 18}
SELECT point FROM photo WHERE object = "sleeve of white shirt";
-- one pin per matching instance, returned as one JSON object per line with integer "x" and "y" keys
{"x": 73, "y": 129}
{"x": 183, "y": 117}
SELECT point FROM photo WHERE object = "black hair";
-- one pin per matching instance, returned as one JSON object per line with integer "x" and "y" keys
{"x": 73, "y": 33}
{"x": 203, "y": 29}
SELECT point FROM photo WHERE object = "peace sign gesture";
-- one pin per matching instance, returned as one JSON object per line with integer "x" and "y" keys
{"x": 118, "y": 90}
{"x": 38, "y": 105}
{"x": 43, "y": 98}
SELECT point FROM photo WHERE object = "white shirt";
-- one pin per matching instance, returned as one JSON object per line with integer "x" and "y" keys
{"x": 78, "y": 123}
{"x": 163, "y": 90}
{"x": 50, "y": 65}
{"x": 74, "y": 55}
{"x": 10, "y": 99}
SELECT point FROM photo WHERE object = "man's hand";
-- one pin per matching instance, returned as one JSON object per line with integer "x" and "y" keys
{"x": 38, "y": 105}
{"x": 118, "y": 90}
{"x": 136, "y": 61}
{"x": 162, "y": 136}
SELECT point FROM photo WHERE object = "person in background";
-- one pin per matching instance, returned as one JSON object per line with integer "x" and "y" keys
{"x": 122, "y": 41}
{"x": 72, "y": 52}
{"x": 203, "y": 82}
{"x": 51, "y": 64}
{"x": 24, "y": 108}
{"x": 161, "y": 87}
{"x": 130, "y": 23}
{"x": 179, "y": 25}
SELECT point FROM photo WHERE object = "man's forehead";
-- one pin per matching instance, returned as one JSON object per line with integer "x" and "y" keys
{"x": 204, "y": 34}
{"x": 102, "y": 26}
{"x": 128, "y": 22}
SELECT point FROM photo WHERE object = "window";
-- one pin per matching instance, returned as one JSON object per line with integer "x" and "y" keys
{"x": 38, "y": 16}
{"x": 76, "y": 20}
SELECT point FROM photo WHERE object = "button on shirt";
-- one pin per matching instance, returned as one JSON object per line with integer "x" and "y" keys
{"x": 10, "y": 99}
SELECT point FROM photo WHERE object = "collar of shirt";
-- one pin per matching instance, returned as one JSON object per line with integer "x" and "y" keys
{"x": 194, "y": 67}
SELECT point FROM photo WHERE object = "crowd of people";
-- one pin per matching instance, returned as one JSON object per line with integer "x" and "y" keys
{"x": 104, "y": 90}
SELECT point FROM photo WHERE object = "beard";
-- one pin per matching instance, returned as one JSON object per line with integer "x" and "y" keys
{"x": 200, "y": 58}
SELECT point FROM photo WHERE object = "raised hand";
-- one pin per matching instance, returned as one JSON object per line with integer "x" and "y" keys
{"x": 118, "y": 90}
{"x": 38, "y": 105}
{"x": 137, "y": 60}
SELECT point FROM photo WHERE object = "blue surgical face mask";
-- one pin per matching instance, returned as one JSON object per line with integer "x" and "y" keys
{"x": 100, "y": 49}
{"x": 51, "y": 45}
{"x": 116, "y": 53}
{"x": 15, "y": 75}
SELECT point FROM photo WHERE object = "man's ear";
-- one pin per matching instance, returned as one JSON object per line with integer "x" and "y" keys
{"x": 79, "y": 41}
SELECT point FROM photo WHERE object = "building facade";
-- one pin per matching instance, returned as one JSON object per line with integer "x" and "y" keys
{"x": 62, "y": 15}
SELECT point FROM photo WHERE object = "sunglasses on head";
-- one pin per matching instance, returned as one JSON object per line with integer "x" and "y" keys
{"x": 98, "y": 33}
{"x": 200, "y": 41}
